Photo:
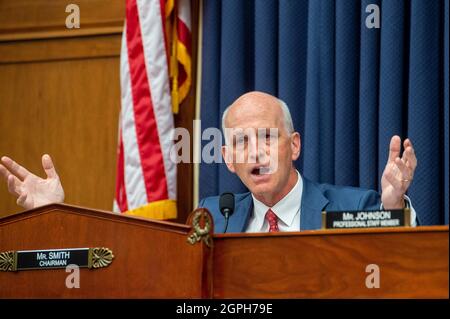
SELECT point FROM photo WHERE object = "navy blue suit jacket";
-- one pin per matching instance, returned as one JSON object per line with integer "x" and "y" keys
{"x": 315, "y": 199}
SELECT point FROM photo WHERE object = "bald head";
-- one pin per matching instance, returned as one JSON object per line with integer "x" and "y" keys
{"x": 257, "y": 104}
{"x": 261, "y": 145}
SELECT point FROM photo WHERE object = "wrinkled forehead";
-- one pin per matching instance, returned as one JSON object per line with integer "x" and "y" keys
{"x": 250, "y": 131}
{"x": 254, "y": 114}
{"x": 252, "y": 125}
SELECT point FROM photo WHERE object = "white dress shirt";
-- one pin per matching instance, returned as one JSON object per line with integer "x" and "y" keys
{"x": 412, "y": 210}
{"x": 287, "y": 210}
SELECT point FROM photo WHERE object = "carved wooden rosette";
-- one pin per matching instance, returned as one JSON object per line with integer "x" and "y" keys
{"x": 202, "y": 227}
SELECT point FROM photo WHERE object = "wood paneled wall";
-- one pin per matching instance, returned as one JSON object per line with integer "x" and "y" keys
{"x": 60, "y": 94}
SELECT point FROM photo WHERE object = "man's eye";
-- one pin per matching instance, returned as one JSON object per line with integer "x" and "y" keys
{"x": 270, "y": 137}
{"x": 240, "y": 140}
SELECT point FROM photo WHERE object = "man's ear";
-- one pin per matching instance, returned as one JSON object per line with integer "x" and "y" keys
{"x": 228, "y": 158}
{"x": 296, "y": 145}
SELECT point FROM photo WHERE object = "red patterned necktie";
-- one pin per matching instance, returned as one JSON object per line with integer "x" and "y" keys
{"x": 273, "y": 221}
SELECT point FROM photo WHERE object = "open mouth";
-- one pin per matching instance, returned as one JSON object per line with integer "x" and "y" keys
{"x": 264, "y": 170}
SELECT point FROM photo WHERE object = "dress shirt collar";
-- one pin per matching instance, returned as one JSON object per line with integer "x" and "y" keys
{"x": 286, "y": 209}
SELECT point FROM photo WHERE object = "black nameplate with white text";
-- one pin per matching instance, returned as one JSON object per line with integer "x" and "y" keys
{"x": 366, "y": 219}
{"x": 58, "y": 258}
{"x": 97, "y": 257}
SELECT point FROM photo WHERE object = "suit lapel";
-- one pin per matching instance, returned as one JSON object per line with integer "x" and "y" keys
{"x": 313, "y": 203}
{"x": 242, "y": 212}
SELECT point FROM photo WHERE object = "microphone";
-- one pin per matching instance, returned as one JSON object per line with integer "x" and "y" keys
{"x": 226, "y": 204}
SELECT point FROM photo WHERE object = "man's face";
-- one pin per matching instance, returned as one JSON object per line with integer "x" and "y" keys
{"x": 260, "y": 150}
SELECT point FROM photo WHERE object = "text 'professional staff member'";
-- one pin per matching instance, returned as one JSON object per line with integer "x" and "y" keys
{"x": 279, "y": 199}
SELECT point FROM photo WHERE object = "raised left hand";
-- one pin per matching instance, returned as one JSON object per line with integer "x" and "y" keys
{"x": 398, "y": 173}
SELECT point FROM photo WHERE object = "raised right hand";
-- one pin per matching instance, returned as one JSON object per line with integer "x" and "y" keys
{"x": 31, "y": 190}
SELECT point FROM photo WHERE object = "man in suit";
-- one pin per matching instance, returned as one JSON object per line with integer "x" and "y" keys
{"x": 280, "y": 198}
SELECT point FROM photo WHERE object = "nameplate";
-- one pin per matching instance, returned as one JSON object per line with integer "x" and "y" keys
{"x": 366, "y": 219}
{"x": 55, "y": 258}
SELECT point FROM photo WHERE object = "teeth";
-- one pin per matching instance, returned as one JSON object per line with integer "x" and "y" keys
{"x": 261, "y": 171}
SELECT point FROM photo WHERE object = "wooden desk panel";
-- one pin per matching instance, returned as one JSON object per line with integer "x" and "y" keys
{"x": 152, "y": 259}
{"x": 413, "y": 263}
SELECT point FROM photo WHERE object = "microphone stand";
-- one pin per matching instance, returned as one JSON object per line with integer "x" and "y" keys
{"x": 226, "y": 215}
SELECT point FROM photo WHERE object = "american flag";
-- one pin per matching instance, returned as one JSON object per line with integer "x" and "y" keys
{"x": 155, "y": 75}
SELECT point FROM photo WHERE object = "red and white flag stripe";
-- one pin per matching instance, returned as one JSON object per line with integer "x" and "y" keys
{"x": 146, "y": 177}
